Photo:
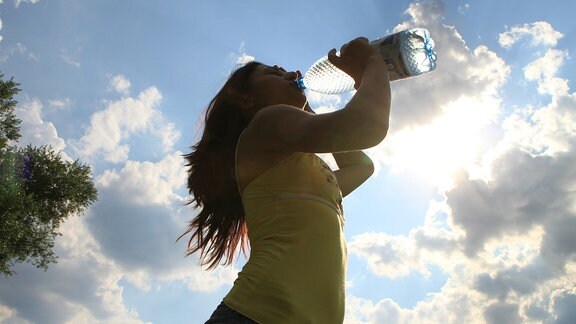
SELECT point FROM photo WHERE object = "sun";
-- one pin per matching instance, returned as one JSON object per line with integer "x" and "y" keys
{"x": 452, "y": 142}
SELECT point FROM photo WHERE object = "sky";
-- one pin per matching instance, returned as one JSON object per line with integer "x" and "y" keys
{"x": 470, "y": 216}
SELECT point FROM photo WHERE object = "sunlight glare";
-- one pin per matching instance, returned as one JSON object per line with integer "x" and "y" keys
{"x": 452, "y": 142}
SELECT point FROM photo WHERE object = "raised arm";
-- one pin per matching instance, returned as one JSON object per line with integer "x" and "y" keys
{"x": 361, "y": 124}
{"x": 354, "y": 167}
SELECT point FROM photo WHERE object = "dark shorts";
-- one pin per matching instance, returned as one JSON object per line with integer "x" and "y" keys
{"x": 226, "y": 315}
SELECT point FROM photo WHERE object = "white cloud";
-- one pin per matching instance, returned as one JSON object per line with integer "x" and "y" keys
{"x": 203, "y": 281}
{"x": 67, "y": 57}
{"x": 147, "y": 252}
{"x": 60, "y": 103}
{"x": 168, "y": 135}
{"x": 244, "y": 58}
{"x": 390, "y": 256}
{"x": 357, "y": 309}
{"x": 455, "y": 303}
{"x": 120, "y": 84}
{"x": 241, "y": 57}
{"x": 553, "y": 86}
{"x": 459, "y": 302}
{"x": 545, "y": 66}
{"x": 541, "y": 32}
{"x": 322, "y": 103}
{"x": 148, "y": 183}
{"x": 5, "y": 312}
{"x": 34, "y": 129}
{"x": 83, "y": 286}
{"x": 443, "y": 121}
{"x": 461, "y": 72}
{"x": 549, "y": 130}
{"x": 111, "y": 128}
{"x": 506, "y": 241}
{"x": 543, "y": 71}
{"x": 18, "y": 2}
{"x": 451, "y": 141}
{"x": 424, "y": 13}
{"x": 17, "y": 49}
{"x": 506, "y": 245}
{"x": 145, "y": 186}
{"x": 126, "y": 237}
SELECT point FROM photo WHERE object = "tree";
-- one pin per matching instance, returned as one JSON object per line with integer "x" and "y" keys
{"x": 9, "y": 125}
{"x": 38, "y": 191}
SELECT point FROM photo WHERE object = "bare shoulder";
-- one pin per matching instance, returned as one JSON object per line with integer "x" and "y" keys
{"x": 273, "y": 128}
{"x": 277, "y": 114}
{"x": 265, "y": 124}
{"x": 253, "y": 158}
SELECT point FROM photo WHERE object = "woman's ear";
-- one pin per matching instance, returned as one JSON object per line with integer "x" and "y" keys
{"x": 246, "y": 102}
{"x": 242, "y": 100}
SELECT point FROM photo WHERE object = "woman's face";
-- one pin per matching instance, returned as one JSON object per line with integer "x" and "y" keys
{"x": 270, "y": 85}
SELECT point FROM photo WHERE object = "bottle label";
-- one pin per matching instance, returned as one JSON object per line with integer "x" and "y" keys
{"x": 389, "y": 47}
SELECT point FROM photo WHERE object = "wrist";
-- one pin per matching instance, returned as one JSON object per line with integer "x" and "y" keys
{"x": 375, "y": 68}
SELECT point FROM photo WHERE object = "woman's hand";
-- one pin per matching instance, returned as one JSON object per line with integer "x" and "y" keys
{"x": 353, "y": 58}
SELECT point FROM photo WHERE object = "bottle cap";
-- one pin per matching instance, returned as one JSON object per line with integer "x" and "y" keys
{"x": 300, "y": 83}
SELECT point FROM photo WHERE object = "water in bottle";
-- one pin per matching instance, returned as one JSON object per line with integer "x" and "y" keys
{"x": 410, "y": 53}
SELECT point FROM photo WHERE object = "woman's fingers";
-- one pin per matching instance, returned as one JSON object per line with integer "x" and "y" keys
{"x": 353, "y": 57}
{"x": 351, "y": 46}
{"x": 333, "y": 58}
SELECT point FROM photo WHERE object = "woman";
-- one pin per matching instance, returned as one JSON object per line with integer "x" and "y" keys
{"x": 254, "y": 175}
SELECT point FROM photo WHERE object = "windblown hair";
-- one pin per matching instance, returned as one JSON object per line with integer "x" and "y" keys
{"x": 220, "y": 227}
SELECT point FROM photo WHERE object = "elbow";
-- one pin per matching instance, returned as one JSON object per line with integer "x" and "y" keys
{"x": 375, "y": 134}
{"x": 384, "y": 127}
{"x": 369, "y": 169}
{"x": 381, "y": 129}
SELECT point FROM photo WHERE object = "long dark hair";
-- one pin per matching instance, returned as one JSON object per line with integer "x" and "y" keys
{"x": 220, "y": 227}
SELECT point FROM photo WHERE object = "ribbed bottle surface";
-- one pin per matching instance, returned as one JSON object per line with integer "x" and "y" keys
{"x": 410, "y": 52}
{"x": 324, "y": 77}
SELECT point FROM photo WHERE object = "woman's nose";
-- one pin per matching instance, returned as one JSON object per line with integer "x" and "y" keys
{"x": 293, "y": 76}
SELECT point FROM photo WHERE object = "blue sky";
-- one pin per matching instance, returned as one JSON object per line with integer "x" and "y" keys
{"x": 470, "y": 217}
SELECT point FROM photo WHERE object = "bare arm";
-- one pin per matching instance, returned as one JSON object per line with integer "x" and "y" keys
{"x": 354, "y": 167}
{"x": 362, "y": 123}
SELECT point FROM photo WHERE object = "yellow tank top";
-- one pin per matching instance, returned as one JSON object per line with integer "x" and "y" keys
{"x": 296, "y": 269}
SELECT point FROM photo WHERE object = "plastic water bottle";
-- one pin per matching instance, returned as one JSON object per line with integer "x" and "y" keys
{"x": 410, "y": 52}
